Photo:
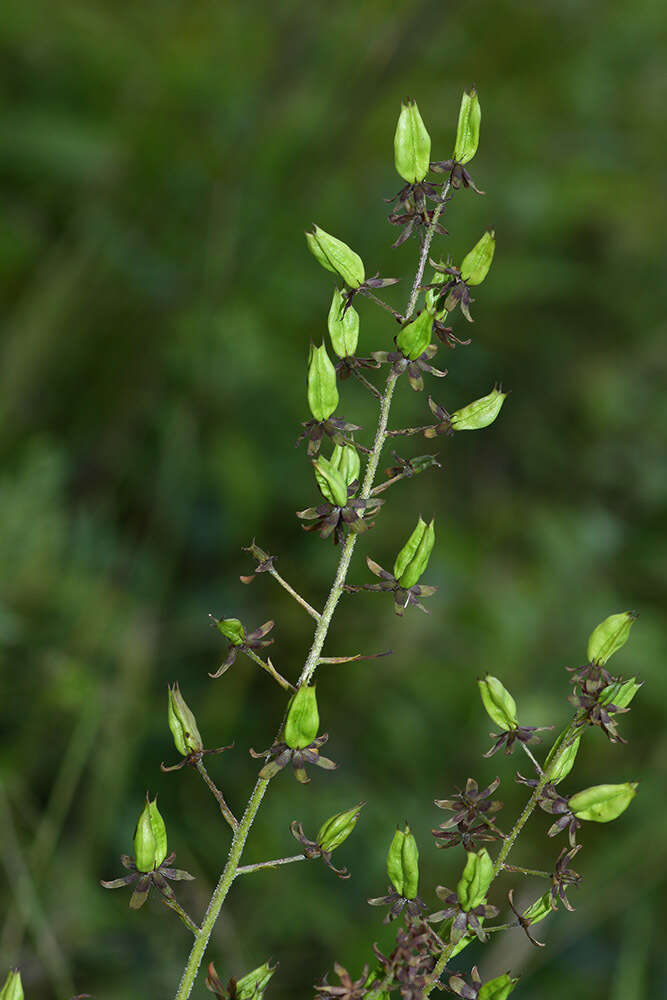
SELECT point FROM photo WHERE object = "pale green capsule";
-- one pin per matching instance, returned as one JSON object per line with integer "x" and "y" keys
{"x": 406, "y": 554}
{"x": 336, "y": 256}
{"x": 467, "y": 131}
{"x": 150, "y": 838}
{"x": 412, "y": 145}
{"x": 540, "y": 909}
{"x": 345, "y": 458}
{"x": 303, "y": 719}
{"x": 610, "y": 635}
{"x": 499, "y": 703}
{"x": 252, "y": 985}
{"x": 564, "y": 762}
{"x": 603, "y": 803}
{"x": 403, "y": 863}
{"x": 620, "y": 693}
{"x": 13, "y": 988}
{"x": 338, "y": 828}
{"x": 479, "y": 414}
{"x": 477, "y": 263}
{"x": 475, "y": 881}
{"x": 498, "y": 988}
{"x": 420, "y": 560}
{"x": 182, "y": 723}
{"x": 330, "y": 481}
{"x": 343, "y": 326}
{"x": 322, "y": 388}
{"x": 414, "y": 338}
{"x": 232, "y": 629}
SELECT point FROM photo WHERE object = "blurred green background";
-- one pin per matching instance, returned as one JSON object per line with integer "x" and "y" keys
{"x": 158, "y": 165}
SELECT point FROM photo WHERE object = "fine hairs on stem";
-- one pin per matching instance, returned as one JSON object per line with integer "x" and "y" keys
{"x": 432, "y": 925}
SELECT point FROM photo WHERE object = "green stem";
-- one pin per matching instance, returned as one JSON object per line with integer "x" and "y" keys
{"x": 553, "y": 758}
{"x": 177, "y": 908}
{"x": 276, "y": 863}
{"x": 255, "y": 550}
{"x": 218, "y": 796}
{"x": 270, "y": 669}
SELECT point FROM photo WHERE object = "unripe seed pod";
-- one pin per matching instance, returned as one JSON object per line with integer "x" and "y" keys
{"x": 475, "y": 881}
{"x": 498, "y": 988}
{"x": 338, "y": 828}
{"x": 603, "y": 803}
{"x": 13, "y": 988}
{"x": 336, "y": 256}
{"x": 343, "y": 326}
{"x": 620, "y": 693}
{"x": 407, "y": 553}
{"x": 150, "y": 838}
{"x": 418, "y": 564}
{"x": 345, "y": 458}
{"x": 252, "y": 985}
{"x": 232, "y": 629}
{"x": 403, "y": 863}
{"x": 412, "y": 145}
{"x": 183, "y": 724}
{"x": 467, "y": 131}
{"x": 322, "y": 389}
{"x": 499, "y": 703}
{"x": 303, "y": 719}
{"x": 609, "y": 636}
{"x": 565, "y": 762}
{"x": 414, "y": 338}
{"x": 480, "y": 413}
{"x": 476, "y": 264}
{"x": 540, "y": 909}
{"x": 432, "y": 294}
{"x": 330, "y": 481}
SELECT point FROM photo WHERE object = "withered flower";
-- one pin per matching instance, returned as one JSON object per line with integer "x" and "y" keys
{"x": 399, "y": 364}
{"x": 411, "y": 963}
{"x": 463, "y": 921}
{"x": 591, "y": 681}
{"x": 563, "y": 877}
{"x": 280, "y": 755}
{"x": 408, "y": 467}
{"x": 472, "y": 821}
{"x": 458, "y": 175}
{"x": 412, "y": 212}
{"x": 239, "y": 640}
{"x": 523, "y": 922}
{"x": 330, "y": 519}
{"x": 551, "y": 801}
{"x": 458, "y": 985}
{"x": 518, "y": 734}
{"x": 444, "y": 424}
{"x": 452, "y": 293}
{"x": 349, "y": 989}
{"x": 403, "y": 596}
{"x": 312, "y": 849}
{"x": 147, "y": 880}
{"x": 334, "y": 427}
{"x": 413, "y": 907}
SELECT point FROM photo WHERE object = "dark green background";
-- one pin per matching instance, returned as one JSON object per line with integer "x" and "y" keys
{"x": 158, "y": 165}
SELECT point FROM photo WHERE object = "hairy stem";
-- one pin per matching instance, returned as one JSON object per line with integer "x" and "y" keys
{"x": 177, "y": 908}
{"x": 262, "y": 556}
{"x": 276, "y": 863}
{"x": 238, "y": 842}
{"x": 270, "y": 669}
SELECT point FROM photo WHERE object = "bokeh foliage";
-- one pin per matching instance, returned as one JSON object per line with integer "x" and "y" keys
{"x": 158, "y": 165}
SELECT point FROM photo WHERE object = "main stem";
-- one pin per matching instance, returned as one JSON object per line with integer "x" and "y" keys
{"x": 309, "y": 667}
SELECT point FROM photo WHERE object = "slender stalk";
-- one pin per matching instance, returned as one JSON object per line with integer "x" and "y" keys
{"x": 531, "y": 756}
{"x": 369, "y": 385}
{"x": 218, "y": 796}
{"x": 270, "y": 669}
{"x": 310, "y": 665}
{"x": 526, "y": 871}
{"x": 261, "y": 555}
{"x": 177, "y": 908}
{"x": 553, "y": 758}
{"x": 247, "y": 869}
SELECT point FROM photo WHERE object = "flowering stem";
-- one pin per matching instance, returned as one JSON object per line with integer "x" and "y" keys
{"x": 247, "y": 869}
{"x": 430, "y": 233}
{"x": 219, "y": 797}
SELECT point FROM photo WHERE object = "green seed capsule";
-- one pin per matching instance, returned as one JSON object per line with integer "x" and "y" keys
{"x": 498, "y": 988}
{"x": 336, "y": 256}
{"x": 540, "y": 909}
{"x": 407, "y": 553}
{"x": 322, "y": 389}
{"x": 475, "y": 881}
{"x": 13, "y": 988}
{"x": 480, "y": 413}
{"x": 150, "y": 838}
{"x": 343, "y": 326}
{"x": 414, "y": 338}
{"x": 252, "y": 985}
{"x": 565, "y": 762}
{"x": 467, "y": 132}
{"x": 183, "y": 724}
{"x": 412, "y": 145}
{"x": 619, "y": 694}
{"x": 609, "y": 636}
{"x": 603, "y": 803}
{"x": 232, "y": 629}
{"x": 499, "y": 703}
{"x": 403, "y": 863}
{"x": 338, "y": 828}
{"x": 330, "y": 481}
{"x": 345, "y": 458}
{"x": 418, "y": 564}
{"x": 431, "y": 297}
{"x": 476, "y": 264}
{"x": 303, "y": 719}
